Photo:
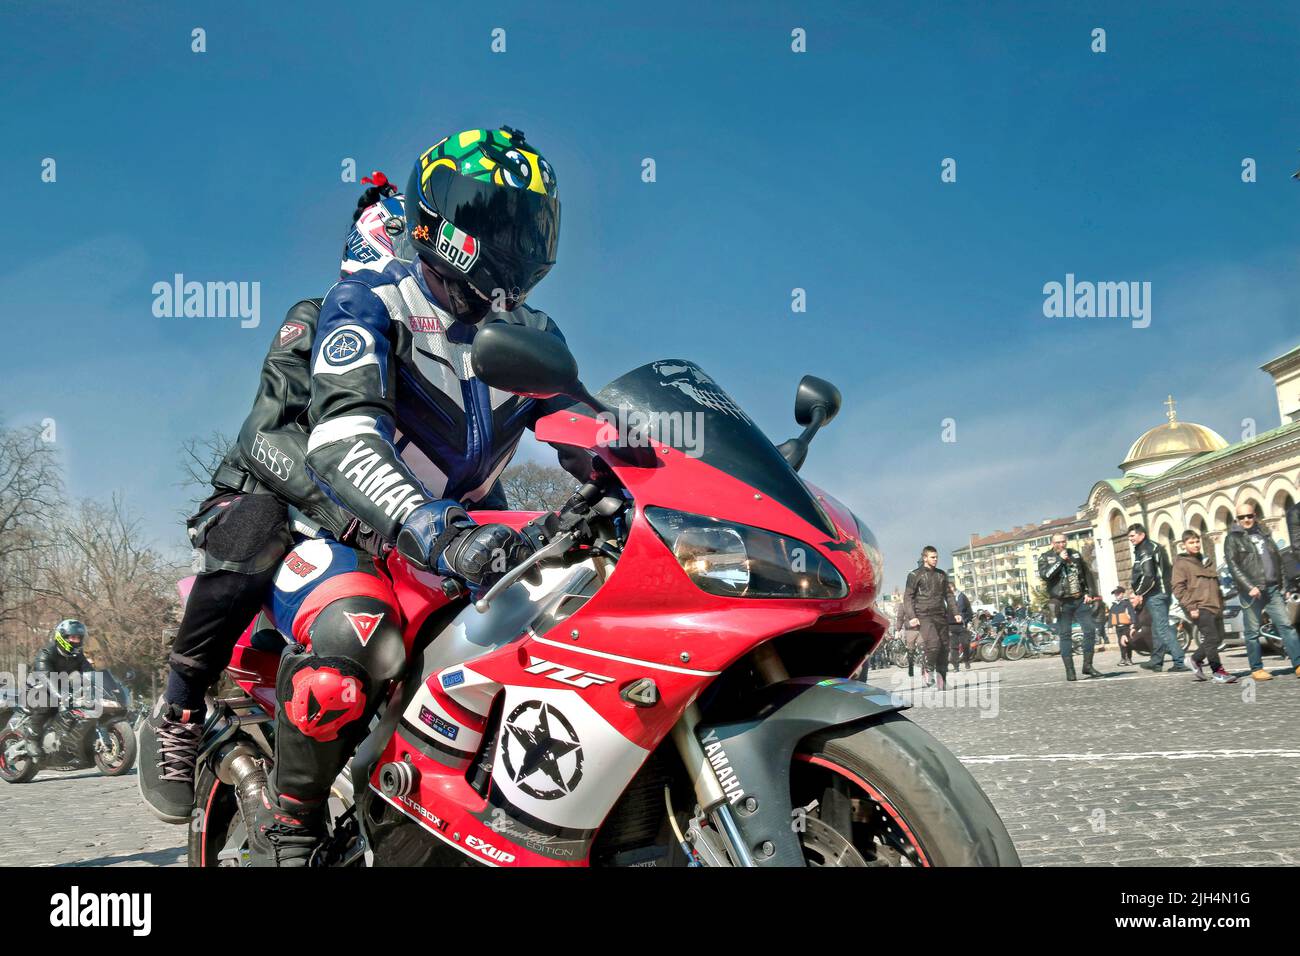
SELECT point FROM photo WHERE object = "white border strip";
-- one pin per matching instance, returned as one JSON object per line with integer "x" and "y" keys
{"x": 625, "y": 660}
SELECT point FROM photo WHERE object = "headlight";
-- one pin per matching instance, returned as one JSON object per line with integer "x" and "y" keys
{"x": 735, "y": 560}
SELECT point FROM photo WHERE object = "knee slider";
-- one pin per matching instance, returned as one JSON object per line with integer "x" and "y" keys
{"x": 322, "y": 696}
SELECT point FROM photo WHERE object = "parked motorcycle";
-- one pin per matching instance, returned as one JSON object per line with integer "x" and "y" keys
{"x": 91, "y": 730}
{"x": 674, "y": 691}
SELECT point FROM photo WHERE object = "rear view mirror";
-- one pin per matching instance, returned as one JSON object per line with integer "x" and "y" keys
{"x": 529, "y": 362}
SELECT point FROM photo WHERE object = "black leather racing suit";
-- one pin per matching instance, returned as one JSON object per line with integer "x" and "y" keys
{"x": 44, "y": 691}
{"x": 242, "y": 530}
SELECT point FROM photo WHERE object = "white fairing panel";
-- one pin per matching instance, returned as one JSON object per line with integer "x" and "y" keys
{"x": 559, "y": 760}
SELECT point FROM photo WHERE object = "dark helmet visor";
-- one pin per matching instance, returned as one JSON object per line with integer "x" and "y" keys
{"x": 518, "y": 224}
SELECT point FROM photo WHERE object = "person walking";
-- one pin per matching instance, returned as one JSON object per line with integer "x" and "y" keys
{"x": 925, "y": 597}
{"x": 1196, "y": 586}
{"x": 1071, "y": 584}
{"x": 959, "y": 635}
{"x": 1256, "y": 567}
{"x": 1121, "y": 618}
{"x": 1151, "y": 578}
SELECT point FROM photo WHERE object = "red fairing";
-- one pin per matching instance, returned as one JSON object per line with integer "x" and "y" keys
{"x": 254, "y": 670}
{"x": 567, "y": 744}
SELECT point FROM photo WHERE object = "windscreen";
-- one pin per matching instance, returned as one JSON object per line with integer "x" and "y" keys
{"x": 675, "y": 403}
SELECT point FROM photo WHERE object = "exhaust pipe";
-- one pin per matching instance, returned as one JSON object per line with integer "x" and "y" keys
{"x": 239, "y": 768}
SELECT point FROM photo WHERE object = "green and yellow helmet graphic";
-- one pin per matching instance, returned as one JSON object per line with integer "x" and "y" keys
{"x": 482, "y": 207}
{"x": 497, "y": 156}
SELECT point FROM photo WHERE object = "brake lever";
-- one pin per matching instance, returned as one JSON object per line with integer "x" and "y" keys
{"x": 559, "y": 546}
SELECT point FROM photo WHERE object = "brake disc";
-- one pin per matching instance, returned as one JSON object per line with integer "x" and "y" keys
{"x": 823, "y": 842}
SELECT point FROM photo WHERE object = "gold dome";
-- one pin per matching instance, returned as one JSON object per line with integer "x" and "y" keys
{"x": 1176, "y": 440}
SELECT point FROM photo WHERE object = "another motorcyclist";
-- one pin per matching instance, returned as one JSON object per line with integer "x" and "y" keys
{"x": 404, "y": 436}
{"x": 52, "y": 674}
{"x": 241, "y": 531}
{"x": 927, "y": 606}
{"x": 1071, "y": 583}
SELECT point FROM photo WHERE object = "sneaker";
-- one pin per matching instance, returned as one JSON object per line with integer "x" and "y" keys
{"x": 1199, "y": 673}
{"x": 1179, "y": 668}
{"x": 168, "y": 750}
{"x": 1149, "y": 666}
{"x": 1261, "y": 674}
{"x": 1221, "y": 676}
{"x": 282, "y": 838}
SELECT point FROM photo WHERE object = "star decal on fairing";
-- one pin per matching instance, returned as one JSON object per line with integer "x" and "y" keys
{"x": 541, "y": 751}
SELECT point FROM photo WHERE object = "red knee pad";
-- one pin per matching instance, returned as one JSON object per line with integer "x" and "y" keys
{"x": 324, "y": 701}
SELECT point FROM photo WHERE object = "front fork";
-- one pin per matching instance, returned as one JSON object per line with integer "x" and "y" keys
{"x": 708, "y": 791}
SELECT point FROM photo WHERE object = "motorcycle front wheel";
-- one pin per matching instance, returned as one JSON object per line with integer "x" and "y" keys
{"x": 19, "y": 769}
{"x": 989, "y": 651}
{"x": 119, "y": 758}
{"x": 889, "y": 794}
{"x": 1016, "y": 651}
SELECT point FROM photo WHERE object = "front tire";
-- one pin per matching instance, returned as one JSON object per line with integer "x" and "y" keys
{"x": 121, "y": 758}
{"x": 216, "y": 817}
{"x": 22, "y": 769}
{"x": 989, "y": 652}
{"x": 1015, "y": 651}
{"x": 898, "y": 797}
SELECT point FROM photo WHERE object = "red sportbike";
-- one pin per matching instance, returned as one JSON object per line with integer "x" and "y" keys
{"x": 664, "y": 683}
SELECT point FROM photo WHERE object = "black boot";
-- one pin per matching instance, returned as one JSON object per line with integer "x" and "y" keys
{"x": 284, "y": 835}
{"x": 1069, "y": 668}
{"x": 1088, "y": 669}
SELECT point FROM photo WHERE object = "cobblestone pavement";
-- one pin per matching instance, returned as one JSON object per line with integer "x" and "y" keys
{"x": 1136, "y": 768}
{"x": 1133, "y": 769}
{"x": 83, "y": 818}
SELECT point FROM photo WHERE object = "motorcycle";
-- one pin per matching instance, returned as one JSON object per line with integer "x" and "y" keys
{"x": 672, "y": 690}
{"x": 92, "y": 729}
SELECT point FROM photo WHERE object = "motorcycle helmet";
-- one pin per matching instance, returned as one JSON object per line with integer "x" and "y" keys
{"x": 483, "y": 213}
{"x": 69, "y": 635}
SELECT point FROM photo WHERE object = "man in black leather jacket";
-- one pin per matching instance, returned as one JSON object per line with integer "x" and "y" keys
{"x": 62, "y": 655}
{"x": 1256, "y": 567}
{"x": 926, "y": 606}
{"x": 1073, "y": 586}
{"x": 1152, "y": 583}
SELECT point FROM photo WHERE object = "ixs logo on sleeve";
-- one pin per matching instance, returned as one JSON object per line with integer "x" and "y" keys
{"x": 379, "y": 481}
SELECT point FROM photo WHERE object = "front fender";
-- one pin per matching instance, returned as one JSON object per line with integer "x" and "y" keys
{"x": 758, "y": 748}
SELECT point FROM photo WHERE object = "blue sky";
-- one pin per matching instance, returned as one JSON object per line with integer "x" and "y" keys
{"x": 775, "y": 170}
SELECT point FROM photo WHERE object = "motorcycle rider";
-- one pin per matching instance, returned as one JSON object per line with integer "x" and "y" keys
{"x": 1256, "y": 566}
{"x": 1072, "y": 585}
{"x": 242, "y": 530}
{"x": 926, "y": 604}
{"x": 1151, "y": 583}
{"x": 404, "y": 435}
{"x": 61, "y": 656}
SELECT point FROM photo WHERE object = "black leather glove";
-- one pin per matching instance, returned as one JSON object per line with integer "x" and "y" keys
{"x": 483, "y": 553}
